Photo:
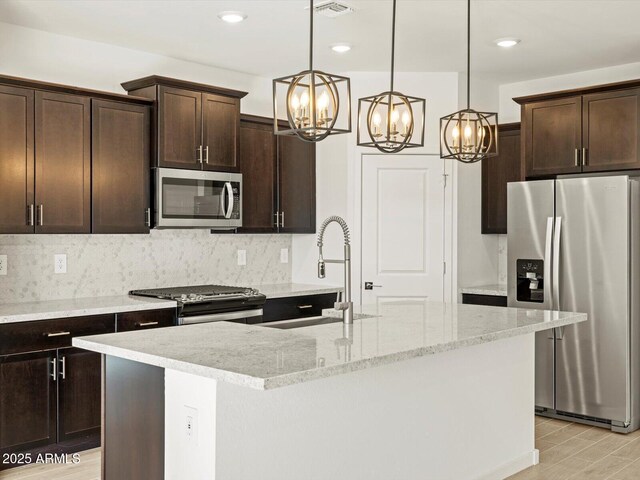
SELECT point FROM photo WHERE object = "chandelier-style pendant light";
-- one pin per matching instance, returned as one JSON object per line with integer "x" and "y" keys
{"x": 468, "y": 135}
{"x": 388, "y": 121}
{"x": 317, "y": 104}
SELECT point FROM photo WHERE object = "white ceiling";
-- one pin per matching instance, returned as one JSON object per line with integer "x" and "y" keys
{"x": 558, "y": 36}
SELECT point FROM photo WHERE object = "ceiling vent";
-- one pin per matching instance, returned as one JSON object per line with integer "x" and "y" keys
{"x": 331, "y": 8}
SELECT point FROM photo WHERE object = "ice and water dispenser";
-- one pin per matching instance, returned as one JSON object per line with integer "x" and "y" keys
{"x": 530, "y": 282}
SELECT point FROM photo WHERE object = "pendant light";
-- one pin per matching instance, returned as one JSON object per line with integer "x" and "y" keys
{"x": 317, "y": 104}
{"x": 391, "y": 121}
{"x": 468, "y": 135}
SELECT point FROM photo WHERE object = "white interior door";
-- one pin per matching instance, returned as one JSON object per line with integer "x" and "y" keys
{"x": 403, "y": 225}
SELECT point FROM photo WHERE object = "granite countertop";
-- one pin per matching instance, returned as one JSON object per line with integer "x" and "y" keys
{"x": 78, "y": 307}
{"x": 280, "y": 290}
{"x": 264, "y": 358}
{"x": 496, "y": 290}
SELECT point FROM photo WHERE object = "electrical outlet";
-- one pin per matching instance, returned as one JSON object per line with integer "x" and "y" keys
{"x": 191, "y": 424}
{"x": 284, "y": 255}
{"x": 242, "y": 257}
{"x": 3, "y": 264}
{"x": 60, "y": 263}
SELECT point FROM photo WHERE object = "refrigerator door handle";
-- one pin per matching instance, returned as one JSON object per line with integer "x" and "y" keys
{"x": 555, "y": 283}
{"x": 548, "y": 245}
{"x": 559, "y": 333}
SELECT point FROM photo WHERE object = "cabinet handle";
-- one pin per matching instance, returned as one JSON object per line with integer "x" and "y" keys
{"x": 147, "y": 324}
{"x": 31, "y": 215}
{"x": 40, "y": 209}
{"x": 54, "y": 369}
{"x": 576, "y": 157}
{"x": 199, "y": 150}
{"x": 304, "y": 307}
{"x": 63, "y": 367}
{"x": 147, "y": 217}
{"x": 206, "y": 155}
{"x": 282, "y": 221}
{"x": 585, "y": 159}
{"x": 58, "y": 334}
{"x": 277, "y": 215}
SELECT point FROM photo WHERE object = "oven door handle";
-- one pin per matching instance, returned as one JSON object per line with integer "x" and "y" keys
{"x": 229, "y": 190}
{"x": 220, "y": 317}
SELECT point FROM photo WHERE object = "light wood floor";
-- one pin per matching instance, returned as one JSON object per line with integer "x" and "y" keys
{"x": 87, "y": 469}
{"x": 568, "y": 451}
{"x": 579, "y": 452}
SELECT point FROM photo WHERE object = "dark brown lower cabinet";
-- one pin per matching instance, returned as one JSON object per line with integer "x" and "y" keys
{"x": 79, "y": 385}
{"x": 28, "y": 399}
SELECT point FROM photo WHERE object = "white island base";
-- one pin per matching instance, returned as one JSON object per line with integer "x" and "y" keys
{"x": 462, "y": 414}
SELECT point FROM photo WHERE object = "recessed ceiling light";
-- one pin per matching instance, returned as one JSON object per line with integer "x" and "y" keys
{"x": 232, "y": 17}
{"x": 507, "y": 42}
{"x": 341, "y": 47}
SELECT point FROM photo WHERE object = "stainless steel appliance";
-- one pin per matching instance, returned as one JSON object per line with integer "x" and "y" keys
{"x": 197, "y": 199}
{"x": 211, "y": 303}
{"x": 574, "y": 245}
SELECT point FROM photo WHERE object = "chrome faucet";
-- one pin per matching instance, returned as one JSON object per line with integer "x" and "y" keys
{"x": 346, "y": 305}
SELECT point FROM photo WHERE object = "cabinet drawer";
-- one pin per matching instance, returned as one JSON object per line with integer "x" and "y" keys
{"x": 297, "y": 307}
{"x": 491, "y": 300}
{"x": 146, "y": 319}
{"x": 51, "y": 334}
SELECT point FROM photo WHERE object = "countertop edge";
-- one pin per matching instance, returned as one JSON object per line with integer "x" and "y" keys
{"x": 280, "y": 381}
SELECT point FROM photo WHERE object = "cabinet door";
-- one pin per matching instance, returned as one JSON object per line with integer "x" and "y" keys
{"x": 179, "y": 128}
{"x": 27, "y": 401}
{"x": 16, "y": 160}
{"x": 121, "y": 167}
{"x": 258, "y": 164}
{"x": 63, "y": 163}
{"x": 496, "y": 173}
{"x": 79, "y": 394}
{"x": 220, "y": 126}
{"x": 552, "y": 132}
{"x": 297, "y": 185}
{"x": 611, "y": 130}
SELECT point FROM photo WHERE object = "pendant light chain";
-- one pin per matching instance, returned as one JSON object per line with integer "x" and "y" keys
{"x": 468, "y": 54}
{"x": 393, "y": 43}
{"x": 310, "y": 34}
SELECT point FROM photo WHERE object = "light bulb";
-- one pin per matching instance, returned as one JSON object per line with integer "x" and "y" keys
{"x": 304, "y": 99}
{"x": 295, "y": 102}
{"x": 395, "y": 116}
{"x": 467, "y": 132}
{"x": 377, "y": 119}
{"x": 406, "y": 118}
{"x": 323, "y": 101}
{"x": 455, "y": 133}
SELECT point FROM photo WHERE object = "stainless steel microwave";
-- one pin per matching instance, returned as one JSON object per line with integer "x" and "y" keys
{"x": 197, "y": 199}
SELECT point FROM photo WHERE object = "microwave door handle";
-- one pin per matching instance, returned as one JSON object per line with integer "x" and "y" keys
{"x": 230, "y": 202}
{"x": 223, "y": 206}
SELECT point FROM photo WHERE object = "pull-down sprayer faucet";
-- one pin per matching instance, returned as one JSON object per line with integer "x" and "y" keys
{"x": 346, "y": 305}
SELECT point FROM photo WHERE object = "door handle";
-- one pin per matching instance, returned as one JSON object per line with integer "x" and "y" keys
{"x": 548, "y": 244}
{"x": 147, "y": 217}
{"x": 206, "y": 155}
{"x": 54, "y": 369}
{"x": 585, "y": 159}
{"x": 371, "y": 286}
{"x": 40, "y": 209}
{"x": 556, "y": 264}
{"x": 576, "y": 157}
{"x": 229, "y": 190}
{"x": 199, "y": 158}
{"x": 31, "y": 215}
{"x": 277, "y": 222}
{"x": 282, "y": 219}
{"x": 63, "y": 368}
{"x": 559, "y": 333}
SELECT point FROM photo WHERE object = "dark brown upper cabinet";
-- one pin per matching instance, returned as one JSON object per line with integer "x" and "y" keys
{"x": 594, "y": 129}
{"x": 17, "y": 214}
{"x": 197, "y": 125}
{"x": 121, "y": 167}
{"x": 279, "y": 177}
{"x": 72, "y": 160}
{"x": 496, "y": 173}
{"x": 63, "y": 163}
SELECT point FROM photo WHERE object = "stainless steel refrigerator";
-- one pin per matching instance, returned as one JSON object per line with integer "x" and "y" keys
{"x": 574, "y": 245}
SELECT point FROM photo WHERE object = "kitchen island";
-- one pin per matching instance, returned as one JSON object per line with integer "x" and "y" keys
{"x": 451, "y": 396}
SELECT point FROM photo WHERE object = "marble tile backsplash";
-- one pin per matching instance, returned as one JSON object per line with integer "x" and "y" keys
{"x": 502, "y": 259}
{"x": 101, "y": 265}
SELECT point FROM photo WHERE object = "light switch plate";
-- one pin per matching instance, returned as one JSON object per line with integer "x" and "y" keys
{"x": 60, "y": 263}
{"x": 242, "y": 257}
{"x": 284, "y": 255}
{"x": 3, "y": 265}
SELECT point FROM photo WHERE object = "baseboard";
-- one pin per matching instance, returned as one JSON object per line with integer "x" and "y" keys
{"x": 512, "y": 467}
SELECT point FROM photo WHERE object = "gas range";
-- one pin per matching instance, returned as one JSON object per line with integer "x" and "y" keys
{"x": 210, "y": 303}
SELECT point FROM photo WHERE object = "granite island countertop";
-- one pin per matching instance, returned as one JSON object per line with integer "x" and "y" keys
{"x": 265, "y": 358}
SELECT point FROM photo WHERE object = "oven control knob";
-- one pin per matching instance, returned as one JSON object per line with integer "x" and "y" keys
{"x": 199, "y": 297}
{"x": 192, "y": 296}
{"x": 183, "y": 297}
